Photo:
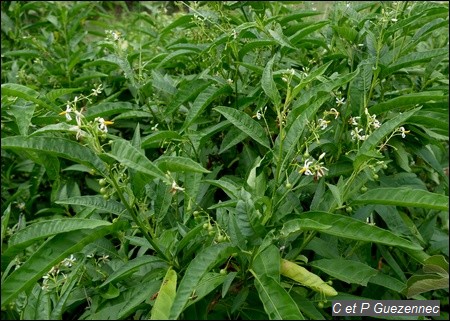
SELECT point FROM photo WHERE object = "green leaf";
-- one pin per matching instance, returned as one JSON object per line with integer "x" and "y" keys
{"x": 166, "y": 295}
{"x": 413, "y": 59}
{"x": 404, "y": 196}
{"x": 268, "y": 262}
{"x": 202, "y": 263}
{"x": 49, "y": 254}
{"x": 388, "y": 282}
{"x": 155, "y": 139}
{"x": 23, "y": 114}
{"x": 245, "y": 123}
{"x": 16, "y": 90}
{"x": 56, "y": 146}
{"x": 252, "y": 45}
{"x": 39, "y": 230}
{"x": 202, "y": 101}
{"x": 56, "y": 93}
{"x": 130, "y": 267}
{"x": 407, "y": 100}
{"x": 186, "y": 92}
{"x": 347, "y": 227}
{"x": 125, "y": 153}
{"x": 206, "y": 285}
{"x": 346, "y": 270}
{"x": 304, "y": 277}
{"x": 95, "y": 201}
{"x": 105, "y": 109}
{"x": 268, "y": 84}
{"x": 385, "y": 129}
{"x": 278, "y": 304}
{"x": 179, "y": 164}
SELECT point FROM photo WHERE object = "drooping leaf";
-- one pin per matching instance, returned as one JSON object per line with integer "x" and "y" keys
{"x": 202, "y": 101}
{"x": 347, "y": 227}
{"x": 132, "y": 266}
{"x": 404, "y": 196}
{"x": 16, "y": 90}
{"x": 179, "y": 164}
{"x": 125, "y": 153}
{"x": 246, "y": 124}
{"x": 49, "y": 254}
{"x": 155, "y": 139}
{"x": 407, "y": 100}
{"x": 43, "y": 229}
{"x": 278, "y": 304}
{"x": 95, "y": 201}
{"x": 346, "y": 270}
{"x": 60, "y": 147}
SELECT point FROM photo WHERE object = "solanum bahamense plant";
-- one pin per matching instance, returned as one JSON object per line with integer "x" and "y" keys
{"x": 222, "y": 160}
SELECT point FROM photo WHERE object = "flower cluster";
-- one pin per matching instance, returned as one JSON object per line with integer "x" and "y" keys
{"x": 372, "y": 124}
{"x": 314, "y": 167}
{"x": 51, "y": 279}
{"x": 71, "y": 110}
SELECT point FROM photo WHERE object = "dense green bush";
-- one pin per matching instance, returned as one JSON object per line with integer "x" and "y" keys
{"x": 222, "y": 160}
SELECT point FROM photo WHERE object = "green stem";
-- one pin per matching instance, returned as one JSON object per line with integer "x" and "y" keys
{"x": 137, "y": 221}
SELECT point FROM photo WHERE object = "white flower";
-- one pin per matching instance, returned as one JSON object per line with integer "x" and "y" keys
{"x": 354, "y": 120}
{"x": 103, "y": 123}
{"x": 69, "y": 261}
{"x": 155, "y": 128}
{"x": 67, "y": 111}
{"x": 334, "y": 112}
{"x": 258, "y": 115}
{"x": 355, "y": 133}
{"x": 340, "y": 101}
{"x": 176, "y": 188}
{"x": 97, "y": 90}
{"x": 403, "y": 131}
{"x": 230, "y": 81}
{"x": 305, "y": 169}
{"x": 323, "y": 123}
{"x": 104, "y": 258}
{"x": 320, "y": 170}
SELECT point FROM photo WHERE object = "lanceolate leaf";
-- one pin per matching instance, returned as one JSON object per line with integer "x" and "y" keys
{"x": 56, "y": 146}
{"x": 268, "y": 84}
{"x": 96, "y": 202}
{"x": 346, "y": 270}
{"x": 155, "y": 139}
{"x": 401, "y": 196}
{"x": 245, "y": 123}
{"x": 202, "y": 263}
{"x": 16, "y": 90}
{"x": 130, "y": 267}
{"x": 278, "y": 304}
{"x": 43, "y": 229}
{"x": 407, "y": 100}
{"x": 125, "y": 153}
{"x": 202, "y": 101}
{"x": 346, "y": 227}
{"x": 166, "y": 295}
{"x": 49, "y": 254}
{"x": 179, "y": 164}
